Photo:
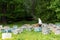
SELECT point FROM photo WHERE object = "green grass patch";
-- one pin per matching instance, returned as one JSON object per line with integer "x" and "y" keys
{"x": 26, "y": 35}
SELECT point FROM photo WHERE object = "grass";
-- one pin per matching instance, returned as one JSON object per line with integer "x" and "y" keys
{"x": 34, "y": 36}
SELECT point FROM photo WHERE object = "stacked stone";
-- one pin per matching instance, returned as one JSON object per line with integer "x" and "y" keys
{"x": 1, "y": 28}
{"x": 45, "y": 29}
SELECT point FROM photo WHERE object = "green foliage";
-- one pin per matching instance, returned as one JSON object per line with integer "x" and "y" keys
{"x": 47, "y": 10}
{"x": 55, "y": 5}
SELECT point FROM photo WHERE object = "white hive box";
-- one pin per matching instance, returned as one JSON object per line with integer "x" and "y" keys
{"x": 6, "y": 35}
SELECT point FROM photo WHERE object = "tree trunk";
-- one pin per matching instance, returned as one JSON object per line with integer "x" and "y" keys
{"x": 4, "y": 9}
{"x": 33, "y": 8}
